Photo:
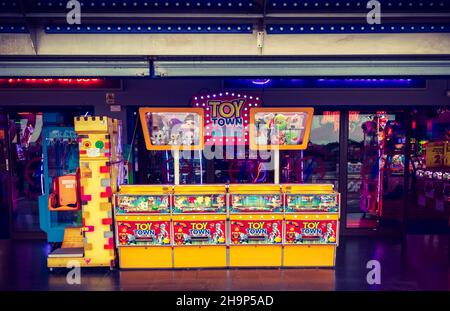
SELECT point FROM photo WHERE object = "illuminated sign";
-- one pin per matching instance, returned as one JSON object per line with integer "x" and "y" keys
{"x": 227, "y": 116}
{"x": 61, "y": 83}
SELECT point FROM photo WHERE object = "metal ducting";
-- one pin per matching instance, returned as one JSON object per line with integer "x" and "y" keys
{"x": 305, "y": 68}
{"x": 74, "y": 68}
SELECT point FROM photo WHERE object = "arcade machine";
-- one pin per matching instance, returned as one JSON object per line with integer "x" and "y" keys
{"x": 199, "y": 219}
{"x": 92, "y": 244}
{"x": 143, "y": 226}
{"x": 60, "y": 163}
{"x": 312, "y": 225}
{"x": 256, "y": 225}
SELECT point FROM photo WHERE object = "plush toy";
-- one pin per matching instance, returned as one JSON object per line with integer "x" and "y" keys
{"x": 268, "y": 120}
{"x": 175, "y": 138}
{"x": 280, "y": 122}
{"x": 187, "y": 138}
{"x": 207, "y": 201}
{"x": 294, "y": 127}
{"x": 188, "y": 123}
{"x": 261, "y": 136}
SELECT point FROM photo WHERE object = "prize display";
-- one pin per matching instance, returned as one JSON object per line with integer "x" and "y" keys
{"x": 142, "y": 204}
{"x": 242, "y": 203}
{"x": 327, "y": 203}
{"x": 211, "y": 203}
{"x": 167, "y": 128}
{"x": 286, "y": 130}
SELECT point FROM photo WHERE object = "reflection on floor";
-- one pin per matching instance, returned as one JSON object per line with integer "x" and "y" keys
{"x": 419, "y": 262}
{"x": 358, "y": 220}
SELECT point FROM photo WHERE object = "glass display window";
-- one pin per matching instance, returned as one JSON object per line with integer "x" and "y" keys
{"x": 129, "y": 204}
{"x": 199, "y": 203}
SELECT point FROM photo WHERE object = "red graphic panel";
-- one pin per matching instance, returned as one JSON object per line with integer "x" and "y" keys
{"x": 256, "y": 231}
{"x": 199, "y": 232}
{"x": 311, "y": 231}
{"x": 143, "y": 232}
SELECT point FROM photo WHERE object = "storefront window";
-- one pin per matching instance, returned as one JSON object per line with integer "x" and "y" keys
{"x": 376, "y": 159}
{"x": 320, "y": 161}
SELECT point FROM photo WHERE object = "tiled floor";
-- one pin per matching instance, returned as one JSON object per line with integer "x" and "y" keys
{"x": 419, "y": 262}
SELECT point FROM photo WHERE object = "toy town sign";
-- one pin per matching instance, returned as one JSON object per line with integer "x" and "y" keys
{"x": 227, "y": 116}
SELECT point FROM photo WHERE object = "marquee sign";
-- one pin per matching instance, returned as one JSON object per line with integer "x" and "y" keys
{"x": 226, "y": 116}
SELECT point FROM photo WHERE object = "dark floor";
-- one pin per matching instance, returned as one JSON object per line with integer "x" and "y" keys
{"x": 420, "y": 262}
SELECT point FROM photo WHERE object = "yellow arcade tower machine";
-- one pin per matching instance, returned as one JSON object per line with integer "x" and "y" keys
{"x": 100, "y": 158}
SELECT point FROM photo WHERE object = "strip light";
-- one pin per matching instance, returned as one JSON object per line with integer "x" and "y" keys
{"x": 150, "y": 28}
{"x": 356, "y": 28}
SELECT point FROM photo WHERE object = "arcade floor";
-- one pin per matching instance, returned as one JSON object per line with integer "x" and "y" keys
{"x": 418, "y": 262}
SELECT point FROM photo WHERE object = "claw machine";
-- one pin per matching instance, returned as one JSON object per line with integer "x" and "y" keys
{"x": 256, "y": 225}
{"x": 311, "y": 225}
{"x": 143, "y": 227}
{"x": 199, "y": 224}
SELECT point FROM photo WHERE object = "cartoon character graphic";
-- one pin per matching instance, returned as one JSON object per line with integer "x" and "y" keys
{"x": 163, "y": 237}
{"x": 237, "y": 201}
{"x": 142, "y": 205}
{"x": 330, "y": 235}
{"x": 178, "y": 236}
{"x": 275, "y": 235}
{"x": 219, "y": 235}
{"x": 220, "y": 202}
{"x": 290, "y": 236}
{"x": 236, "y": 236}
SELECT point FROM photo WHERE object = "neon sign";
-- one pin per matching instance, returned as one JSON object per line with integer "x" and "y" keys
{"x": 227, "y": 116}
{"x": 60, "y": 83}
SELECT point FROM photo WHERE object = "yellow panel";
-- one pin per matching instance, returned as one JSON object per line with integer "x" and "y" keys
{"x": 255, "y": 256}
{"x": 200, "y": 189}
{"x": 143, "y": 217}
{"x": 145, "y": 189}
{"x": 91, "y": 124}
{"x": 309, "y": 255}
{"x": 207, "y": 256}
{"x": 55, "y": 262}
{"x": 145, "y": 257}
{"x": 255, "y": 216}
{"x": 312, "y": 216}
{"x": 199, "y": 217}
{"x": 308, "y": 188}
{"x": 253, "y": 188}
